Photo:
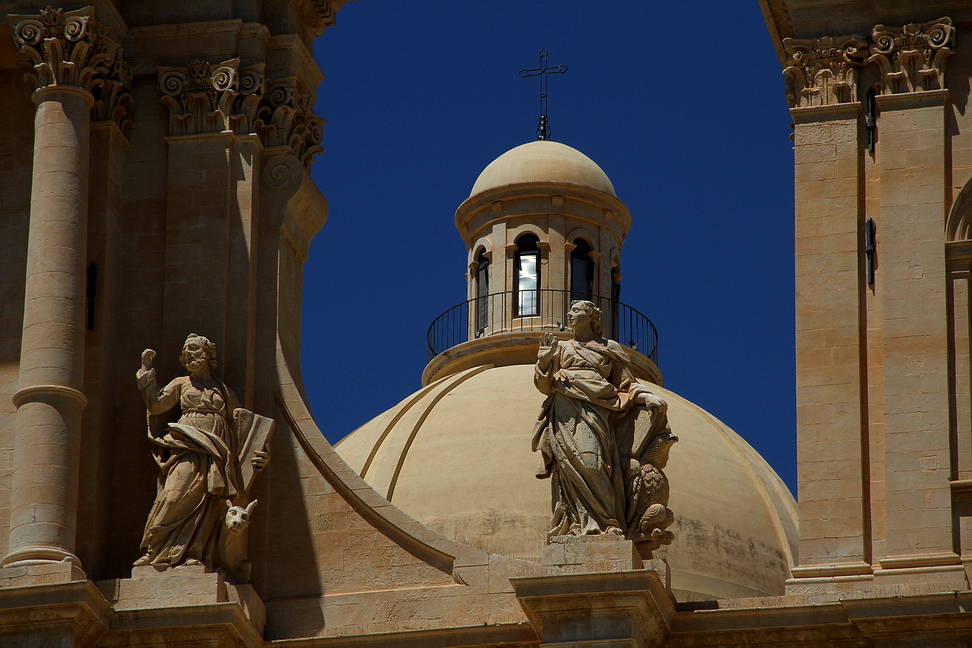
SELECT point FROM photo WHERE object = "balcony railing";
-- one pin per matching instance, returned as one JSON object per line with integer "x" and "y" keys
{"x": 536, "y": 310}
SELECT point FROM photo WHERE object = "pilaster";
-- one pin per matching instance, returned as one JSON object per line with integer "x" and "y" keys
{"x": 230, "y": 120}
{"x": 873, "y": 409}
{"x": 831, "y": 430}
{"x": 915, "y": 330}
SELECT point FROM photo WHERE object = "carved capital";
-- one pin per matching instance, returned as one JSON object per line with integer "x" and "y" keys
{"x": 68, "y": 48}
{"x": 113, "y": 101}
{"x": 822, "y": 71}
{"x": 205, "y": 98}
{"x": 912, "y": 58}
{"x": 291, "y": 121}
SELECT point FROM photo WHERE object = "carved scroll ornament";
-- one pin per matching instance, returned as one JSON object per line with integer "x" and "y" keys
{"x": 204, "y": 98}
{"x": 71, "y": 48}
{"x": 291, "y": 121}
{"x": 822, "y": 71}
{"x": 912, "y": 58}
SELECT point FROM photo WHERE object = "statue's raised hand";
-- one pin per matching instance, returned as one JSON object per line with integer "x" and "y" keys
{"x": 649, "y": 400}
{"x": 148, "y": 355}
{"x": 548, "y": 348}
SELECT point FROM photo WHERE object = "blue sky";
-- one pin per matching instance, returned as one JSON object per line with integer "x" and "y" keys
{"x": 681, "y": 104}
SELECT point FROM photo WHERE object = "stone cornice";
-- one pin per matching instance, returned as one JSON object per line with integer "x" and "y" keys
{"x": 912, "y": 58}
{"x": 71, "y": 48}
{"x": 822, "y": 71}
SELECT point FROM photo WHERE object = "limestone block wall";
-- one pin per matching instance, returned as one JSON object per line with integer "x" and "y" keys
{"x": 882, "y": 361}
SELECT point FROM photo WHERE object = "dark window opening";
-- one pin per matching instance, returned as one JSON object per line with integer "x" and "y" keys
{"x": 482, "y": 292}
{"x": 581, "y": 271}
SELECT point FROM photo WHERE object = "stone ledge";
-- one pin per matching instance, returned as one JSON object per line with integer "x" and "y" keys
{"x": 804, "y": 619}
{"x": 66, "y": 613}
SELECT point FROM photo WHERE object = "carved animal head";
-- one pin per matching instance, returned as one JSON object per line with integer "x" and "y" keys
{"x": 658, "y": 448}
{"x": 237, "y": 518}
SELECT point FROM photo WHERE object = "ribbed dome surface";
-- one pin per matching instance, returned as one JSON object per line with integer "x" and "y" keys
{"x": 456, "y": 456}
{"x": 543, "y": 161}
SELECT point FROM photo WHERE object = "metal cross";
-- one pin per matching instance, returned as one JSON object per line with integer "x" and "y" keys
{"x": 543, "y": 128}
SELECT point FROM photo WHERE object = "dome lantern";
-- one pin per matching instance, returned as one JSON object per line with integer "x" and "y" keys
{"x": 543, "y": 227}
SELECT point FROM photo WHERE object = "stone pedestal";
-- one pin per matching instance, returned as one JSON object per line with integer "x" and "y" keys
{"x": 589, "y": 554}
{"x": 189, "y": 597}
{"x": 599, "y": 591}
{"x": 52, "y": 613}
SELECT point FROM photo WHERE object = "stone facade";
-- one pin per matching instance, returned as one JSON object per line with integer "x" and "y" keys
{"x": 123, "y": 243}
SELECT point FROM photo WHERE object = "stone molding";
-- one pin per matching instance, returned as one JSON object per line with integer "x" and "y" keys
{"x": 71, "y": 48}
{"x": 227, "y": 96}
{"x": 912, "y": 58}
{"x": 822, "y": 71}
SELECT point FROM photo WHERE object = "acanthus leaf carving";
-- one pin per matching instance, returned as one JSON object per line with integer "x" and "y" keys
{"x": 292, "y": 122}
{"x": 912, "y": 58}
{"x": 822, "y": 71}
{"x": 113, "y": 101}
{"x": 71, "y": 48}
{"x": 205, "y": 98}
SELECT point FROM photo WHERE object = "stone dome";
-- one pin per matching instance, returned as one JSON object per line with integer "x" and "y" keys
{"x": 543, "y": 161}
{"x": 456, "y": 456}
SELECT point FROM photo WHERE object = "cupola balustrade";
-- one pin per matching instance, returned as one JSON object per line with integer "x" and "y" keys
{"x": 499, "y": 313}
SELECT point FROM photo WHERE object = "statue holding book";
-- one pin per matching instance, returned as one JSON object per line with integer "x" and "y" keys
{"x": 208, "y": 450}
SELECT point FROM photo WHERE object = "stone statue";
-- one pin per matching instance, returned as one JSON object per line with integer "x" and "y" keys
{"x": 603, "y": 437}
{"x": 208, "y": 455}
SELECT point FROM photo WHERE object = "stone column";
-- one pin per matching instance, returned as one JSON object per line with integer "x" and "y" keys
{"x": 69, "y": 51}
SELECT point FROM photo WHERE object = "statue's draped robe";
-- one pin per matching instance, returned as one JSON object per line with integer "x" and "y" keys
{"x": 199, "y": 470}
{"x": 588, "y": 385}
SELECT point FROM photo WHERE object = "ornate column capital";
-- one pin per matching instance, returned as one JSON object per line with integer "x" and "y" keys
{"x": 291, "y": 121}
{"x": 912, "y": 58}
{"x": 65, "y": 47}
{"x": 205, "y": 98}
{"x": 73, "y": 49}
{"x": 822, "y": 71}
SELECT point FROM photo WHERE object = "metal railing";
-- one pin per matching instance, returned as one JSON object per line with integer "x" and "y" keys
{"x": 535, "y": 310}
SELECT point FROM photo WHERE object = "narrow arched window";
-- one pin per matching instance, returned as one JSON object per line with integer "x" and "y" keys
{"x": 482, "y": 292}
{"x": 581, "y": 271}
{"x": 527, "y": 265}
